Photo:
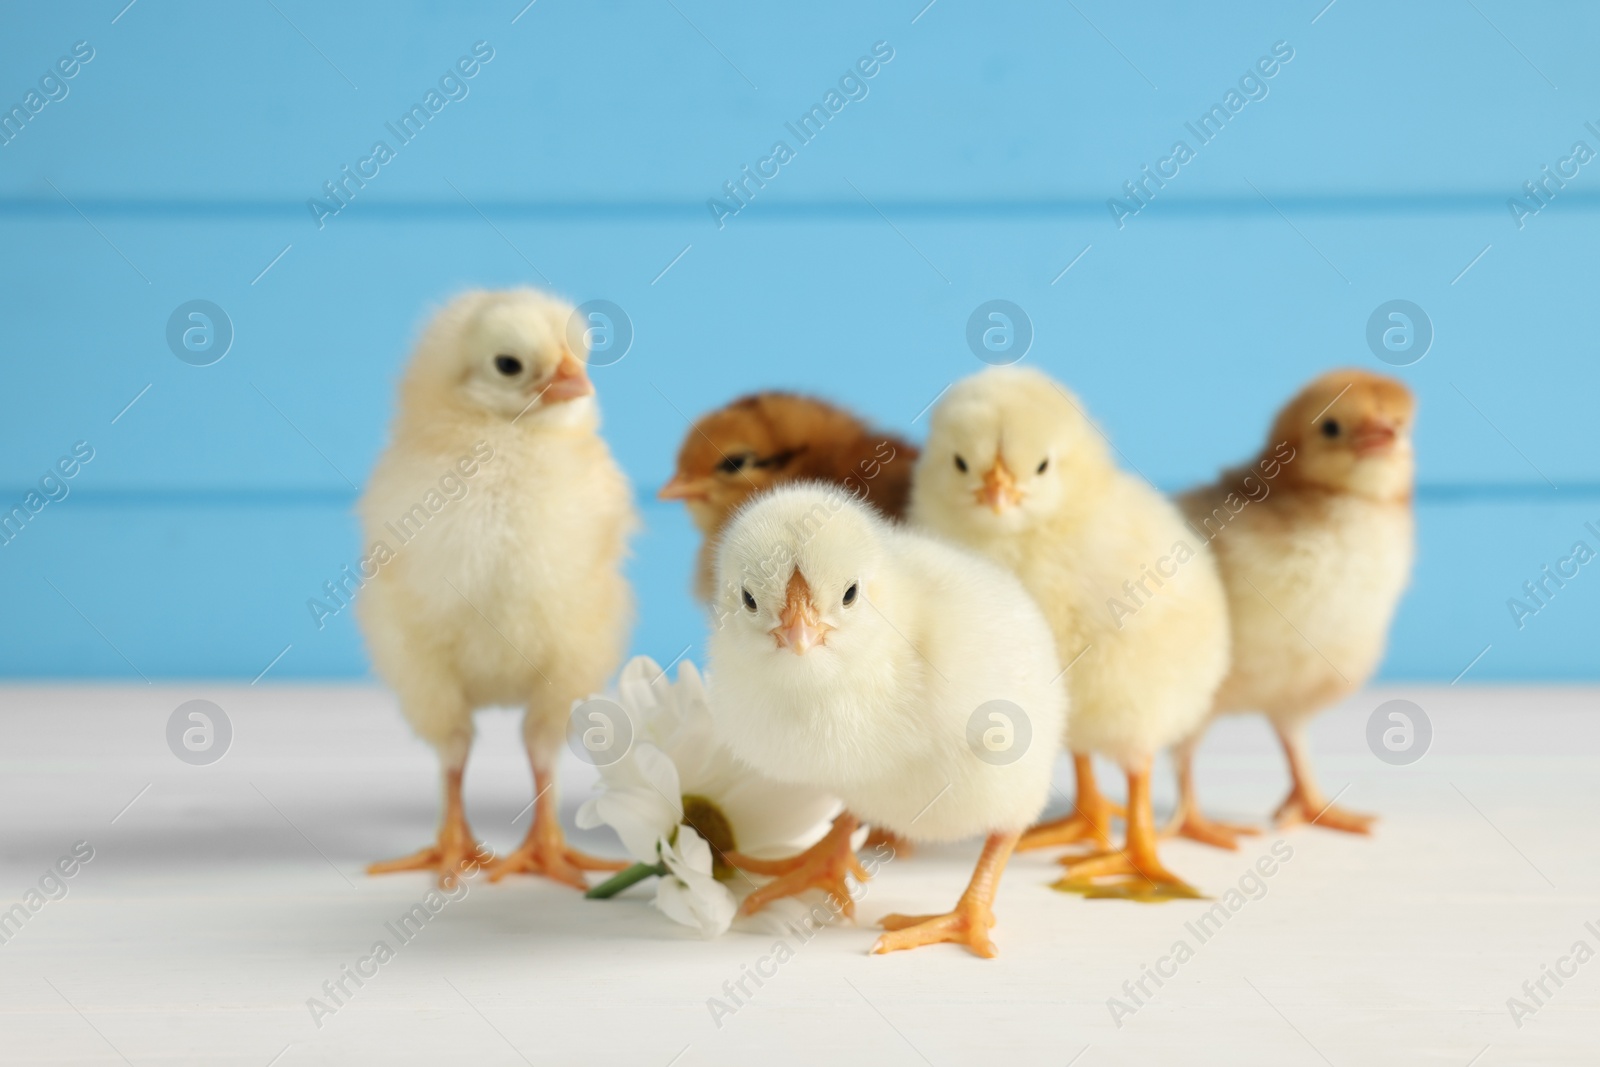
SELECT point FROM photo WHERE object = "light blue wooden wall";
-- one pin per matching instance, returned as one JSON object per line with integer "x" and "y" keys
{"x": 977, "y": 166}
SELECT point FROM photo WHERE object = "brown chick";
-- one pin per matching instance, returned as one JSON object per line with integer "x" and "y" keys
{"x": 1315, "y": 541}
{"x": 768, "y": 439}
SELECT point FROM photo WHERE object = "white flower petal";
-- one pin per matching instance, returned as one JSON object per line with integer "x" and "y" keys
{"x": 676, "y": 753}
{"x": 711, "y": 913}
{"x": 638, "y": 669}
{"x": 637, "y": 697}
{"x": 657, "y": 772}
{"x": 689, "y": 894}
{"x": 767, "y": 816}
{"x": 690, "y": 854}
{"x": 640, "y": 818}
{"x": 588, "y": 816}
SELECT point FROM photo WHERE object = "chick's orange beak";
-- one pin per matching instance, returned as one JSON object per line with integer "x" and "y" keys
{"x": 569, "y": 382}
{"x": 682, "y": 487}
{"x": 1373, "y": 437}
{"x": 999, "y": 490}
{"x": 800, "y": 625}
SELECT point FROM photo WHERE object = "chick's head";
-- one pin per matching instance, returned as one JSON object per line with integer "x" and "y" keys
{"x": 512, "y": 353}
{"x": 1008, "y": 449}
{"x": 749, "y": 446}
{"x": 797, "y": 571}
{"x": 1351, "y": 432}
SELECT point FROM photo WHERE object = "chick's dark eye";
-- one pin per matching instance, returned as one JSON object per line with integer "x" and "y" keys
{"x": 749, "y": 601}
{"x": 961, "y": 465}
{"x": 1043, "y": 463}
{"x": 850, "y": 594}
{"x": 510, "y": 366}
{"x": 732, "y": 464}
{"x": 1330, "y": 428}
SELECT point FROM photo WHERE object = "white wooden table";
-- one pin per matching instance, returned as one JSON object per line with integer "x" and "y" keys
{"x": 220, "y": 898}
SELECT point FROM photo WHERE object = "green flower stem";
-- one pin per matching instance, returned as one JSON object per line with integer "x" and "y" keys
{"x": 623, "y": 879}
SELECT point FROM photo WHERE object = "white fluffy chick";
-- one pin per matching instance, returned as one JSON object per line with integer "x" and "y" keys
{"x": 498, "y": 522}
{"x": 1315, "y": 542}
{"x": 1015, "y": 469}
{"x": 913, "y": 680}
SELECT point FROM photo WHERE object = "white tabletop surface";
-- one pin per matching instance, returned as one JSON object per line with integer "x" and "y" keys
{"x": 220, "y": 898}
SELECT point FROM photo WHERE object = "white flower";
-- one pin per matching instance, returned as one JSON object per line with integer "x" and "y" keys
{"x": 692, "y": 895}
{"x": 680, "y": 800}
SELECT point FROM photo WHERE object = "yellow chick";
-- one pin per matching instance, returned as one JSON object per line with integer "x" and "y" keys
{"x": 498, "y": 521}
{"x": 912, "y": 679}
{"x": 1315, "y": 542}
{"x": 1015, "y": 469}
{"x": 773, "y": 438}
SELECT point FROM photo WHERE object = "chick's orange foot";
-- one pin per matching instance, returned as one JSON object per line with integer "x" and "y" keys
{"x": 550, "y": 855}
{"x": 1090, "y": 821}
{"x": 454, "y": 854}
{"x": 826, "y": 865}
{"x": 1189, "y": 820}
{"x": 969, "y": 924}
{"x": 1197, "y": 827}
{"x": 1300, "y": 808}
{"x": 1079, "y": 828}
{"x": 1135, "y": 871}
{"x": 971, "y": 920}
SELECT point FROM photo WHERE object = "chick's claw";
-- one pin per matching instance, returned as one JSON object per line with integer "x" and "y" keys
{"x": 1197, "y": 827}
{"x": 1074, "y": 829}
{"x": 830, "y": 878}
{"x": 1300, "y": 809}
{"x": 450, "y": 857}
{"x": 455, "y": 852}
{"x": 1090, "y": 821}
{"x": 826, "y": 865}
{"x": 553, "y": 859}
{"x": 968, "y": 925}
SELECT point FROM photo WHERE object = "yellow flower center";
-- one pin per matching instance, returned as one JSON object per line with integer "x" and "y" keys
{"x": 709, "y": 822}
